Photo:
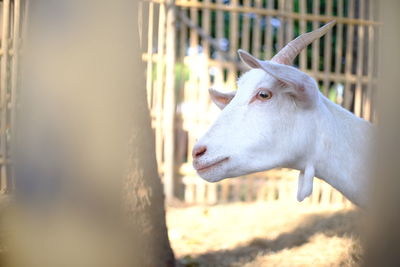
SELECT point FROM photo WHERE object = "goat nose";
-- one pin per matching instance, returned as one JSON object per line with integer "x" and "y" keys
{"x": 199, "y": 151}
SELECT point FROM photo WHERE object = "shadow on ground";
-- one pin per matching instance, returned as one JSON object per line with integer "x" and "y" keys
{"x": 340, "y": 224}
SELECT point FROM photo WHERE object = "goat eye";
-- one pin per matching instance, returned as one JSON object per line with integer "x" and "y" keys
{"x": 264, "y": 95}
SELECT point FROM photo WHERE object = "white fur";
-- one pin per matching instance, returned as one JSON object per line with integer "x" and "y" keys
{"x": 295, "y": 129}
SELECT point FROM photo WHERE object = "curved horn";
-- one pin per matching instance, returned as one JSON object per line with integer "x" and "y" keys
{"x": 293, "y": 48}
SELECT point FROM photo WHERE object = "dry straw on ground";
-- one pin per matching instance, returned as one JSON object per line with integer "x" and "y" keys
{"x": 265, "y": 234}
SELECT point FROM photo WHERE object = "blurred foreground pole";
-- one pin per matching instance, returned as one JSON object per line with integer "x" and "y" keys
{"x": 87, "y": 187}
{"x": 383, "y": 236}
{"x": 169, "y": 102}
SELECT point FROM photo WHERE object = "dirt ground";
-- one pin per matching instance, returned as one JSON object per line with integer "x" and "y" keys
{"x": 265, "y": 234}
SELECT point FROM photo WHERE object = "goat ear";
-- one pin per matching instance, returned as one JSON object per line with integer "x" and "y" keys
{"x": 221, "y": 99}
{"x": 302, "y": 87}
{"x": 251, "y": 61}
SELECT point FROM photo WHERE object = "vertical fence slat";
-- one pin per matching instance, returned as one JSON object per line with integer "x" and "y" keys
{"x": 158, "y": 94}
{"x": 233, "y": 42}
{"x": 348, "y": 95}
{"x": 326, "y": 191}
{"x": 257, "y": 32}
{"x": 224, "y": 190}
{"x": 169, "y": 104}
{"x": 302, "y": 25}
{"x": 269, "y": 33}
{"x": 220, "y": 35}
{"x": 245, "y": 27}
{"x": 189, "y": 191}
{"x": 191, "y": 89}
{"x": 149, "y": 72}
{"x": 281, "y": 27}
{"x": 200, "y": 191}
{"x": 205, "y": 84}
{"x": 339, "y": 45}
{"x": 360, "y": 62}
{"x": 3, "y": 95}
{"x": 289, "y": 21}
{"x": 14, "y": 72}
{"x": 327, "y": 50}
{"x": 315, "y": 44}
{"x": 367, "y": 105}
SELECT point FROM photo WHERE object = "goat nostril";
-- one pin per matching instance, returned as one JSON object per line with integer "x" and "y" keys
{"x": 199, "y": 151}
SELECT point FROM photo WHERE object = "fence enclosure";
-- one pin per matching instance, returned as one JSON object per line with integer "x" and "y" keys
{"x": 193, "y": 44}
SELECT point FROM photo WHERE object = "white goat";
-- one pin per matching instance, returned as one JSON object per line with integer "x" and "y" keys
{"x": 278, "y": 118}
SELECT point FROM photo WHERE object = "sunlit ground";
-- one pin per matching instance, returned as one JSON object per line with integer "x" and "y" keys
{"x": 265, "y": 234}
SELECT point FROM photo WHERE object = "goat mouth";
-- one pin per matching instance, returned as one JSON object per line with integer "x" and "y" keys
{"x": 204, "y": 168}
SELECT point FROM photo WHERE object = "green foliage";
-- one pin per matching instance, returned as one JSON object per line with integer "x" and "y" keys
{"x": 182, "y": 73}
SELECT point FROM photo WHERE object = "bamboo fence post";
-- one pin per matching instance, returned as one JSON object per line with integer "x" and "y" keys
{"x": 249, "y": 189}
{"x": 204, "y": 84}
{"x": 326, "y": 191}
{"x": 159, "y": 90}
{"x": 339, "y": 47}
{"x": 236, "y": 187}
{"x": 149, "y": 72}
{"x": 281, "y": 28}
{"x": 191, "y": 96}
{"x": 316, "y": 192}
{"x": 315, "y": 44}
{"x": 220, "y": 35}
{"x": 349, "y": 58}
{"x": 14, "y": 77}
{"x": 257, "y": 32}
{"x": 169, "y": 102}
{"x": 233, "y": 43}
{"x": 327, "y": 50}
{"x": 370, "y": 73}
{"x": 189, "y": 190}
{"x": 3, "y": 95}
{"x": 224, "y": 190}
{"x": 289, "y": 21}
{"x": 303, "y": 29}
{"x": 360, "y": 60}
{"x": 246, "y": 28}
{"x": 200, "y": 191}
{"x": 269, "y": 41}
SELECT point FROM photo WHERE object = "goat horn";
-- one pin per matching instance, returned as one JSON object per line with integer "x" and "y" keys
{"x": 293, "y": 48}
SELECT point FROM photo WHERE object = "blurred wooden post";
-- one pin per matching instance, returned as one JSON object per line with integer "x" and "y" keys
{"x": 3, "y": 95}
{"x": 169, "y": 102}
{"x": 159, "y": 89}
{"x": 358, "y": 94}
{"x": 327, "y": 51}
{"x": 348, "y": 94}
{"x": 149, "y": 72}
{"x": 14, "y": 74}
{"x": 339, "y": 50}
{"x": 382, "y": 247}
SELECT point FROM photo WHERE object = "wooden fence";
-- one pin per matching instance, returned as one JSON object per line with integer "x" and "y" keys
{"x": 192, "y": 46}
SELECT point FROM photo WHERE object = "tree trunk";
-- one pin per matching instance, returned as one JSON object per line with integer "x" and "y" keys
{"x": 143, "y": 189}
{"x": 87, "y": 188}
